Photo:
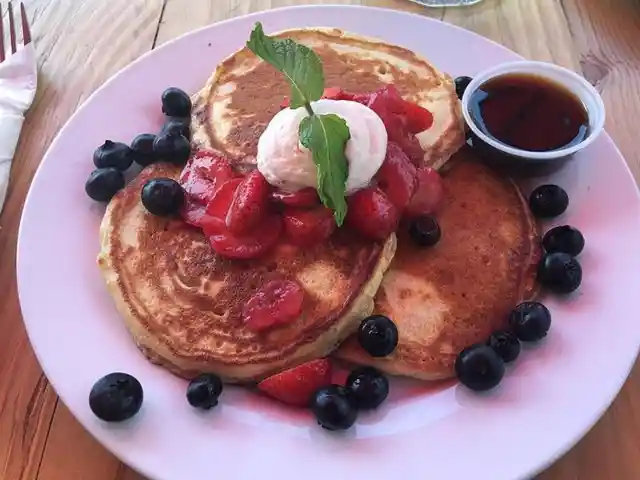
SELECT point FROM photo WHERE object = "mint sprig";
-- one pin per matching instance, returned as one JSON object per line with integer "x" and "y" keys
{"x": 298, "y": 63}
{"x": 324, "y": 135}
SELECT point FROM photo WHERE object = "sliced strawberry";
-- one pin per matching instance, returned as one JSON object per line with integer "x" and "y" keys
{"x": 226, "y": 243}
{"x": 192, "y": 211}
{"x": 304, "y": 198}
{"x": 205, "y": 172}
{"x": 250, "y": 204}
{"x": 418, "y": 118}
{"x": 394, "y": 124}
{"x": 413, "y": 150}
{"x": 308, "y": 227}
{"x": 296, "y": 385}
{"x": 414, "y": 118}
{"x": 213, "y": 220}
{"x": 279, "y": 302}
{"x": 198, "y": 188}
{"x": 372, "y": 214}
{"x": 402, "y": 120}
{"x": 429, "y": 193}
{"x": 397, "y": 176}
{"x": 252, "y": 245}
{"x": 334, "y": 93}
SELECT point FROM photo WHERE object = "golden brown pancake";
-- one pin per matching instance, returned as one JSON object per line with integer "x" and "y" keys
{"x": 455, "y": 294}
{"x": 182, "y": 302}
{"x": 244, "y": 93}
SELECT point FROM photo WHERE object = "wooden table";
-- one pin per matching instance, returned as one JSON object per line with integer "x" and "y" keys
{"x": 81, "y": 43}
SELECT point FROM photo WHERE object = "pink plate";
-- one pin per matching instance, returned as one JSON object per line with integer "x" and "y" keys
{"x": 548, "y": 400}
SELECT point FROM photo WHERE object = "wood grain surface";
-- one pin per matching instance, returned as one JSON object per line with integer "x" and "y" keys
{"x": 81, "y": 43}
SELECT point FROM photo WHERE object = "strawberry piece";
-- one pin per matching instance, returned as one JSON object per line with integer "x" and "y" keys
{"x": 304, "y": 198}
{"x": 418, "y": 119}
{"x": 296, "y": 385}
{"x": 402, "y": 119}
{"x": 205, "y": 172}
{"x": 192, "y": 212}
{"x": 252, "y": 245}
{"x": 429, "y": 193}
{"x": 225, "y": 242}
{"x": 397, "y": 177}
{"x": 335, "y": 93}
{"x": 403, "y": 115}
{"x": 413, "y": 150}
{"x": 198, "y": 188}
{"x": 213, "y": 220}
{"x": 279, "y": 302}
{"x": 308, "y": 227}
{"x": 372, "y": 214}
{"x": 250, "y": 204}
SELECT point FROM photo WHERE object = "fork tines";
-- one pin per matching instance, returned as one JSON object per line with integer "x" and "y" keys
{"x": 26, "y": 33}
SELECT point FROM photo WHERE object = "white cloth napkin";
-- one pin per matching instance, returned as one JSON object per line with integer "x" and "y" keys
{"x": 18, "y": 83}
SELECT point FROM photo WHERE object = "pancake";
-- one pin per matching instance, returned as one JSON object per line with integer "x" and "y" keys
{"x": 233, "y": 109}
{"x": 457, "y": 293}
{"x": 182, "y": 303}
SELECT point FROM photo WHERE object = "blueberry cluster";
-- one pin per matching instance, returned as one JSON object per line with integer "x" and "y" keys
{"x": 172, "y": 144}
{"x": 481, "y": 367}
{"x": 336, "y": 407}
{"x": 559, "y": 270}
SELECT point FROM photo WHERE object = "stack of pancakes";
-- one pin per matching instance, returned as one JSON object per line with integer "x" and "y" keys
{"x": 182, "y": 302}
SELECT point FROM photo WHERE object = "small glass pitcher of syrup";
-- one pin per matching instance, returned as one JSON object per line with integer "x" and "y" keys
{"x": 445, "y": 3}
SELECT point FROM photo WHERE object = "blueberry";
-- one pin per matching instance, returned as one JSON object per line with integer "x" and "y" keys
{"x": 162, "y": 196}
{"x": 333, "y": 409}
{"x": 116, "y": 397}
{"x": 559, "y": 272}
{"x": 172, "y": 148}
{"x": 113, "y": 155}
{"x": 505, "y": 344}
{"x": 461, "y": 85}
{"x": 104, "y": 183}
{"x": 530, "y": 321}
{"x": 142, "y": 148}
{"x": 425, "y": 231}
{"x": 178, "y": 126}
{"x": 548, "y": 201}
{"x": 176, "y": 103}
{"x": 204, "y": 391}
{"x": 479, "y": 368}
{"x": 563, "y": 239}
{"x": 378, "y": 335}
{"x": 367, "y": 388}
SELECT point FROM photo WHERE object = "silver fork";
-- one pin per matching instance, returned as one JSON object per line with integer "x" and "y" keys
{"x": 18, "y": 83}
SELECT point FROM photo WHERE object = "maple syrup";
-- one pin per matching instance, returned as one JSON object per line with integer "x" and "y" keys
{"x": 529, "y": 112}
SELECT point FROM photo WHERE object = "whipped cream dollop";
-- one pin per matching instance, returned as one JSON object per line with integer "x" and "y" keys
{"x": 287, "y": 164}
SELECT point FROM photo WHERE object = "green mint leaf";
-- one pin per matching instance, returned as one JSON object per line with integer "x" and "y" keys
{"x": 326, "y": 137}
{"x": 300, "y": 65}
